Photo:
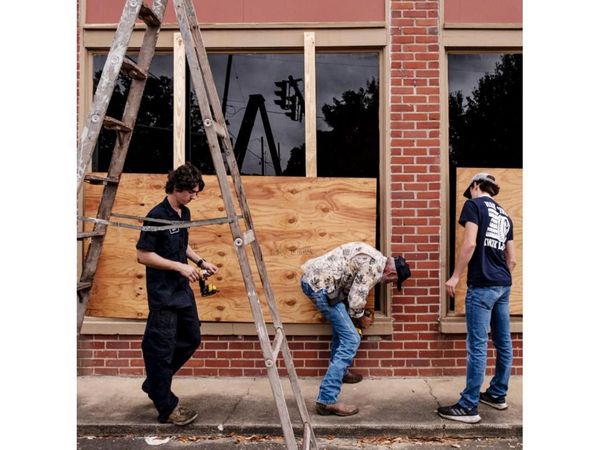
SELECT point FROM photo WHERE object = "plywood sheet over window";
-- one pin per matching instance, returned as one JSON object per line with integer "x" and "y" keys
{"x": 295, "y": 219}
{"x": 511, "y": 199}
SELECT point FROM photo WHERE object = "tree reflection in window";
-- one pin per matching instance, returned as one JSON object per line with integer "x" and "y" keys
{"x": 250, "y": 110}
{"x": 347, "y": 117}
{"x": 486, "y": 110}
{"x": 151, "y": 147}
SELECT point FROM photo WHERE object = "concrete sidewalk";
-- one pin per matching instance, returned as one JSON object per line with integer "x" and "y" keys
{"x": 388, "y": 406}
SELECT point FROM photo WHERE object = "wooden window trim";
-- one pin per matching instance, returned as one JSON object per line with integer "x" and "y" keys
{"x": 252, "y": 39}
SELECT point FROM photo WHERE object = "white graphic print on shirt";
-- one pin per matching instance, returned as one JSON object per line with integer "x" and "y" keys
{"x": 497, "y": 231}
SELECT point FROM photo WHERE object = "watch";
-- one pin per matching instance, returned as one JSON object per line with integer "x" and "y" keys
{"x": 199, "y": 262}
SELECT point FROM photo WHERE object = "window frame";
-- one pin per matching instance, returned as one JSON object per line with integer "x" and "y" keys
{"x": 463, "y": 40}
{"x": 342, "y": 38}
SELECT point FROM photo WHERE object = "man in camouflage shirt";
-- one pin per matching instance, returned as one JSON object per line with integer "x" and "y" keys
{"x": 338, "y": 283}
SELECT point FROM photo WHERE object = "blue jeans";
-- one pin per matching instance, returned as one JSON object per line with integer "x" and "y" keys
{"x": 344, "y": 343}
{"x": 485, "y": 307}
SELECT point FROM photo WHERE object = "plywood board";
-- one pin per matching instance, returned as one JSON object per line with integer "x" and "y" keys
{"x": 511, "y": 199}
{"x": 295, "y": 219}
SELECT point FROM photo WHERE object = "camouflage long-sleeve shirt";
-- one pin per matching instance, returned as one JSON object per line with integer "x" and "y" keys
{"x": 347, "y": 272}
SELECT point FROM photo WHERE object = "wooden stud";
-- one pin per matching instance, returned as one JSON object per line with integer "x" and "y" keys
{"x": 117, "y": 162}
{"x": 310, "y": 101}
{"x": 178, "y": 101}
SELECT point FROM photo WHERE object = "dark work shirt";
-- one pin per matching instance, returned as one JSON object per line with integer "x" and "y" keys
{"x": 167, "y": 288}
{"x": 487, "y": 266}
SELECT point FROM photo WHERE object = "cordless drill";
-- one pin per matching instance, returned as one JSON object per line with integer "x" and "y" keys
{"x": 206, "y": 289}
{"x": 357, "y": 324}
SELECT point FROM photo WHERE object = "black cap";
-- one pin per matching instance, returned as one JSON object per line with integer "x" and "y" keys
{"x": 402, "y": 269}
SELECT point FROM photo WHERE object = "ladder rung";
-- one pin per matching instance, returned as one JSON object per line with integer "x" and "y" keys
{"x": 115, "y": 125}
{"x": 95, "y": 179}
{"x": 148, "y": 16}
{"x": 132, "y": 70}
{"x": 89, "y": 234}
{"x": 84, "y": 285}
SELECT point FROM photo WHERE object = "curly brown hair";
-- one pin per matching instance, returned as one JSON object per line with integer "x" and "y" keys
{"x": 184, "y": 178}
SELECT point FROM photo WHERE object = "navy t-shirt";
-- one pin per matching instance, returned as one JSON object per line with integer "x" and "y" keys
{"x": 167, "y": 288}
{"x": 487, "y": 266}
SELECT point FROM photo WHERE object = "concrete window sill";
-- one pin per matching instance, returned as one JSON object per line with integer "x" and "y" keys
{"x": 96, "y": 325}
{"x": 456, "y": 325}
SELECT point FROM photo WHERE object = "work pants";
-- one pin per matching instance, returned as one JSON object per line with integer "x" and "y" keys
{"x": 170, "y": 339}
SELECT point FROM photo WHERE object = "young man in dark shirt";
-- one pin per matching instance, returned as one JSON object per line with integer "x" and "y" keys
{"x": 173, "y": 328}
{"x": 488, "y": 250}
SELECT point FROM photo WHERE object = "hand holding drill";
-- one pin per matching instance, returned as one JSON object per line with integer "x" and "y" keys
{"x": 364, "y": 322}
{"x": 206, "y": 270}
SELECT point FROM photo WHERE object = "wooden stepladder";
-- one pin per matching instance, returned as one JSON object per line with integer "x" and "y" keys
{"x": 219, "y": 144}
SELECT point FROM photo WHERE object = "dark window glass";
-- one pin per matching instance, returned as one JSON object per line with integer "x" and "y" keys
{"x": 151, "y": 147}
{"x": 486, "y": 110}
{"x": 264, "y": 133}
{"x": 347, "y": 115}
{"x": 485, "y": 117}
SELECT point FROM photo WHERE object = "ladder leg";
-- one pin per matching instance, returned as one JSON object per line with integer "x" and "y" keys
{"x": 213, "y": 98}
{"x": 119, "y": 154}
{"x": 294, "y": 383}
{"x": 106, "y": 86}
{"x": 209, "y": 104}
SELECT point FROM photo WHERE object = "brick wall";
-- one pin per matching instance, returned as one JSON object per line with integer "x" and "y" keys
{"x": 416, "y": 347}
{"x": 231, "y": 356}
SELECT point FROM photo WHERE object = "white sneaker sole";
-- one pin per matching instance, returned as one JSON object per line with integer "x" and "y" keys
{"x": 465, "y": 419}
{"x": 500, "y": 406}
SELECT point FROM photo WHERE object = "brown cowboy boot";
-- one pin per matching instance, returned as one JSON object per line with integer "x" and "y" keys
{"x": 351, "y": 378}
{"x": 338, "y": 409}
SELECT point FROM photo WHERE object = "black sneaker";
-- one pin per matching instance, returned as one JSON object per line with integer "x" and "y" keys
{"x": 458, "y": 413}
{"x": 494, "y": 402}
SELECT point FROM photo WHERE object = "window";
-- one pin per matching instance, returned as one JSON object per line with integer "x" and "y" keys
{"x": 485, "y": 120}
{"x": 347, "y": 115}
{"x": 264, "y": 133}
{"x": 262, "y": 90}
{"x": 151, "y": 147}
{"x": 485, "y": 110}
{"x": 248, "y": 84}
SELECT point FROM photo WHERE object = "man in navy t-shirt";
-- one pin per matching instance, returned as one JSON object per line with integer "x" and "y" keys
{"x": 488, "y": 249}
{"x": 173, "y": 328}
